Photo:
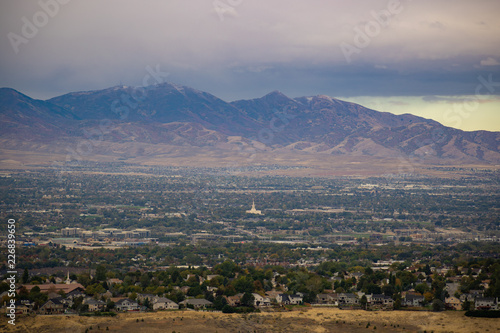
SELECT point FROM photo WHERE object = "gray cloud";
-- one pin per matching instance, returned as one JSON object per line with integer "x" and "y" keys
{"x": 427, "y": 48}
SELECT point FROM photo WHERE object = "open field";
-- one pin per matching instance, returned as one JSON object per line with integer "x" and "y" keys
{"x": 303, "y": 164}
{"x": 298, "y": 320}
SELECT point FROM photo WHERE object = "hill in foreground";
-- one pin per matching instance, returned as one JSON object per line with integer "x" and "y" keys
{"x": 298, "y": 320}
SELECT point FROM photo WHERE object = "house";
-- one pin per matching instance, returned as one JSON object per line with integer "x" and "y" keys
{"x": 233, "y": 300}
{"x": 77, "y": 292}
{"x": 272, "y": 294}
{"x": 64, "y": 301}
{"x": 114, "y": 281}
{"x": 94, "y": 305}
{"x": 326, "y": 299}
{"x": 355, "y": 275}
{"x": 196, "y": 303}
{"x": 23, "y": 307}
{"x": 381, "y": 301}
{"x": 212, "y": 289}
{"x": 467, "y": 297}
{"x": 282, "y": 299}
{"x": 453, "y": 303}
{"x": 162, "y": 303}
{"x": 413, "y": 300}
{"x": 52, "y": 306}
{"x": 485, "y": 284}
{"x": 52, "y": 295}
{"x": 127, "y": 304}
{"x": 348, "y": 299}
{"x": 486, "y": 303}
{"x": 477, "y": 293}
{"x": 261, "y": 301}
{"x": 289, "y": 299}
{"x": 212, "y": 276}
{"x": 452, "y": 288}
{"x": 295, "y": 299}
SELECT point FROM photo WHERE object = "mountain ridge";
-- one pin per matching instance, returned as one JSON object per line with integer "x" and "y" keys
{"x": 169, "y": 114}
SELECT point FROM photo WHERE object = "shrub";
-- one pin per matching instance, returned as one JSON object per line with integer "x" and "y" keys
{"x": 483, "y": 313}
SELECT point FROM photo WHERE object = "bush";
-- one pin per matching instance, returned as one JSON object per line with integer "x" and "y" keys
{"x": 483, "y": 313}
{"x": 437, "y": 305}
{"x": 227, "y": 309}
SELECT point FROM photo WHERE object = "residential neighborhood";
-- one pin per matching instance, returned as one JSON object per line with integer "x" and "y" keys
{"x": 397, "y": 286}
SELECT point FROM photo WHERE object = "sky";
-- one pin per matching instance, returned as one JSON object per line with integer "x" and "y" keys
{"x": 437, "y": 59}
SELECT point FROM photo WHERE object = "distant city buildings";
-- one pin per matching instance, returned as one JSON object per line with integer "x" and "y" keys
{"x": 105, "y": 233}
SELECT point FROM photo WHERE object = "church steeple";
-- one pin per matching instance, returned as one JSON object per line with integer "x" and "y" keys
{"x": 253, "y": 210}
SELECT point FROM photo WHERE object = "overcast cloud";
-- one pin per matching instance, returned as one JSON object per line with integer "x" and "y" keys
{"x": 246, "y": 48}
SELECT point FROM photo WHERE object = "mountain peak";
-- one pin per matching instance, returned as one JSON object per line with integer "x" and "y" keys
{"x": 275, "y": 95}
{"x": 9, "y": 93}
{"x": 325, "y": 97}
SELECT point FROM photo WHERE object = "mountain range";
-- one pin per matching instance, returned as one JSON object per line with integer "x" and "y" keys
{"x": 172, "y": 121}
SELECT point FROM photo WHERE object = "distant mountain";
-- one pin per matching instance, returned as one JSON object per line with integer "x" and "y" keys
{"x": 327, "y": 125}
{"x": 163, "y": 103}
{"x": 178, "y": 116}
{"x": 26, "y": 118}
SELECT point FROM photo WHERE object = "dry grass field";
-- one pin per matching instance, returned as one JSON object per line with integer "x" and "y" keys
{"x": 310, "y": 165}
{"x": 298, "y": 320}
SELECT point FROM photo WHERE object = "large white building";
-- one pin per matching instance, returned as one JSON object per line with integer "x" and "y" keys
{"x": 253, "y": 210}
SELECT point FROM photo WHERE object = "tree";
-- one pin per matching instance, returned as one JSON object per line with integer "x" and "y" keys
{"x": 145, "y": 280}
{"x": 147, "y": 303}
{"x": 95, "y": 288}
{"x": 466, "y": 306}
{"x": 422, "y": 288}
{"x": 244, "y": 284}
{"x": 195, "y": 291}
{"x": 388, "y": 290}
{"x": 77, "y": 302}
{"x": 220, "y": 302}
{"x": 363, "y": 301}
{"x": 100, "y": 273}
{"x": 176, "y": 276}
{"x": 428, "y": 296}
{"x": 437, "y": 305}
{"x": 26, "y": 276}
{"x": 36, "y": 296}
{"x": 110, "y": 305}
{"x": 247, "y": 299}
{"x": 227, "y": 309}
{"x": 397, "y": 304}
{"x": 372, "y": 288}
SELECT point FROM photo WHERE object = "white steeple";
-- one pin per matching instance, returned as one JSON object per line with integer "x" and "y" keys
{"x": 253, "y": 210}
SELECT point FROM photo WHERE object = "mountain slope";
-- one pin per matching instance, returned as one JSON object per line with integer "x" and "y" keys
{"x": 163, "y": 103}
{"x": 168, "y": 114}
{"x": 330, "y": 126}
{"x": 27, "y": 118}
